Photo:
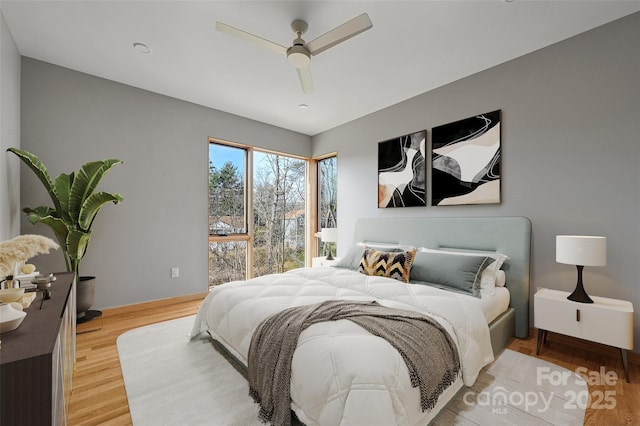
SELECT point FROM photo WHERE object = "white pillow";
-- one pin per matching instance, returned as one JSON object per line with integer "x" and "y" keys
{"x": 501, "y": 279}
{"x": 489, "y": 275}
{"x": 382, "y": 246}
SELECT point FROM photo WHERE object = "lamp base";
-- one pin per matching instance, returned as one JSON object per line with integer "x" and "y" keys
{"x": 579, "y": 295}
{"x": 328, "y": 248}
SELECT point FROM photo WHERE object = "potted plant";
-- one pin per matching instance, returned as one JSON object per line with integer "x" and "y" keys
{"x": 75, "y": 206}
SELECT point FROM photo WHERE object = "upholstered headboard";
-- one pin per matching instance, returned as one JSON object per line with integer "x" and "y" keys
{"x": 508, "y": 235}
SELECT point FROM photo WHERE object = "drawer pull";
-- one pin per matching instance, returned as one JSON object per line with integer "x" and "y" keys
{"x": 578, "y": 315}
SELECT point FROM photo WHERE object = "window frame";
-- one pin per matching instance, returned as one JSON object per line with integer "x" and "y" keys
{"x": 313, "y": 229}
{"x": 248, "y": 203}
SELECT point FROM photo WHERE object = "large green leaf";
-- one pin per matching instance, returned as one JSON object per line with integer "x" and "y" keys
{"x": 92, "y": 205}
{"x": 46, "y": 216}
{"x": 39, "y": 169}
{"x": 85, "y": 182}
{"x": 77, "y": 242}
{"x": 62, "y": 186}
{"x": 34, "y": 215}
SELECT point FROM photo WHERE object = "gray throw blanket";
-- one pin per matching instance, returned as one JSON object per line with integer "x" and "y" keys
{"x": 426, "y": 347}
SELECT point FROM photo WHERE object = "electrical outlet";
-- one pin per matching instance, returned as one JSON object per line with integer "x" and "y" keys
{"x": 175, "y": 272}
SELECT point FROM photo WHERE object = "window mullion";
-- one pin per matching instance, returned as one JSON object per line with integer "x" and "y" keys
{"x": 249, "y": 211}
{"x": 311, "y": 213}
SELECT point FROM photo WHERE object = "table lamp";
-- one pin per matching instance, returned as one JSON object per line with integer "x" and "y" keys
{"x": 329, "y": 235}
{"x": 581, "y": 250}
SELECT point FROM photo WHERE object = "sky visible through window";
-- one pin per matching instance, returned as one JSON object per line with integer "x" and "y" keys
{"x": 220, "y": 154}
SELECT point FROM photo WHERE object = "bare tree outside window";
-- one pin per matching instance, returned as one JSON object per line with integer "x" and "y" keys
{"x": 227, "y": 261}
{"x": 279, "y": 213}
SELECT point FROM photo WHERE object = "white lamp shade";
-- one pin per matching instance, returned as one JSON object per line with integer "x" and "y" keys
{"x": 329, "y": 235}
{"x": 581, "y": 250}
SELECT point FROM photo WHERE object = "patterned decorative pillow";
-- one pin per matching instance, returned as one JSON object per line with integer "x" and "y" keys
{"x": 351, "y": 260}
{"x": 396, "y": 265}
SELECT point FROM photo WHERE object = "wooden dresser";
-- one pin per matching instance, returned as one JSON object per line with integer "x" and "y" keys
{"x": 37, "y": 360}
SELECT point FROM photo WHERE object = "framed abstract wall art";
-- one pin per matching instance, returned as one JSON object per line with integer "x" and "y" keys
{"x": 402, "y": 176}
{"x": 465, "y": 159}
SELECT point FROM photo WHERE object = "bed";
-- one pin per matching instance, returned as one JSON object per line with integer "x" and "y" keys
{"x": 342, "y": 374}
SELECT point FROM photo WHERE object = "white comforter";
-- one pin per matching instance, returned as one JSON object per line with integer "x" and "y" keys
{"x": 341, "y": 374}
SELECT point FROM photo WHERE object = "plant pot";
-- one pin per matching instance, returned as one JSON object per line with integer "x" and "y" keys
{"x": 85, "y": 292}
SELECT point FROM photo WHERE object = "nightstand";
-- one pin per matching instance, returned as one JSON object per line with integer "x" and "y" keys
{"x": 607, "y": 321}
{"x": 322, "y": 261}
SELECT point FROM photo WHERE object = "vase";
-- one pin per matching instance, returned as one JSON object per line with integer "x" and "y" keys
{"x": 10, "y": 318}
{"x": 85, "y": 292}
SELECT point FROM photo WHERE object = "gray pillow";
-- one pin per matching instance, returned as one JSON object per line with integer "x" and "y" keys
{"x": 351, "y": 260}
{"x": 461, "y": 273}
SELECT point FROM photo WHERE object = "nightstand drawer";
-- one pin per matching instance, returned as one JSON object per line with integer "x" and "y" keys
{"x": 606, "y": 321}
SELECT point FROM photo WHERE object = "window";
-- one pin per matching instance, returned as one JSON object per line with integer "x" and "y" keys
{"x": 327, "y": 198}
{"x": 227, "y": 190}
{"x": 228, "y": 235}
{"x": 259, "y": 234}
{"x": 227, "y": 261}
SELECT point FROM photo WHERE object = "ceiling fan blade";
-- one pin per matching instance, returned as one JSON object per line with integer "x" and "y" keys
{"x": 339, "y": 34}
{"x": 228, "y": 29}
{"x": 304, "y": 75}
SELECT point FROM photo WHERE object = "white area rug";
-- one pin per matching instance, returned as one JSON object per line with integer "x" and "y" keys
{"x": 173, "y": 381}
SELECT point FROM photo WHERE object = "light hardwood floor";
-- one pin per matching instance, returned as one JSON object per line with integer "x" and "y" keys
{"x": 99, "y": 398}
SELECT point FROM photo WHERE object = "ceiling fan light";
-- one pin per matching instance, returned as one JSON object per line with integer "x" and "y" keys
{"x": 298, "y": 56}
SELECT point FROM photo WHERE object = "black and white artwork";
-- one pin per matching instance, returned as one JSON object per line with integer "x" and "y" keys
{"x": 466, "y": 161}
{"x": 402, "y": 177}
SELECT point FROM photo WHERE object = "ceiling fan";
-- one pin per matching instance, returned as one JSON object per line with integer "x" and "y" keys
{"x": 300, "y": 52}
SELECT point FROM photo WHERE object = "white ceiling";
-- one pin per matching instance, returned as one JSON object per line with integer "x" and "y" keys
{"x": 413, "y": 47}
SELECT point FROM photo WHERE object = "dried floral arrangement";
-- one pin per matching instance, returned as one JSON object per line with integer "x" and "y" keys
{"x": 21, "y": 249}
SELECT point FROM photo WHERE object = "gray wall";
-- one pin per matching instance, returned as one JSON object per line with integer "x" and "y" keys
{"x": 69, "y": 118}
{"x": 570, "y": 145}
{"x": 571, "y": 155}
{"x": 9, "y": 133}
